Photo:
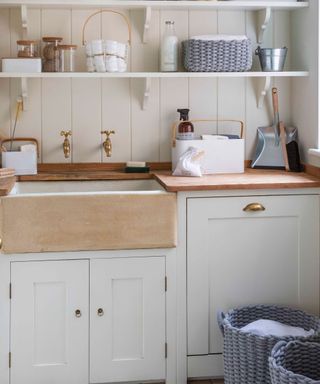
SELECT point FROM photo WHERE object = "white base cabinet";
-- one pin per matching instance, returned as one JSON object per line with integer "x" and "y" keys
{"x": 50, "y": 322}
{"x": 237, "y": 257}
{"x": 127, "y": 324}
{"x": 57, "y": 337}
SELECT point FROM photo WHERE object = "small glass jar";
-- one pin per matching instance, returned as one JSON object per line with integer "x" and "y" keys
{"x": 66, "y": 57}
{"x": 50, "y": 54}
{"x": 27, "y": 48}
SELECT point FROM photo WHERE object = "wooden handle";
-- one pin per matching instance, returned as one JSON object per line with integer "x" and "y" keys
{"x": 175, "y": 125}
{"x": 33, "y": 140}
{"x": 275, "y": 100}
{"x": 283, "y": 138}
{"x": 105, "y": 11}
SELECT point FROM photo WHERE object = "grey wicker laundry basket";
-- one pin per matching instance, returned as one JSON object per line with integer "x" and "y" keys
{"x": 246, "y": 354}
{"x": 295, "y": 362}
{"x": 217, "y": 55}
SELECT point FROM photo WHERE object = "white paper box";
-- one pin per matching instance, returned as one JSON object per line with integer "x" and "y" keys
{"x": 221, "y": 156}
{"x": 24, "y": 163}
{"x": 21, "y": 65}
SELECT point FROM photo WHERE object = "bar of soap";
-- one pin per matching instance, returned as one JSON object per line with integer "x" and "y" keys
{"x": 137, "y": 169}
{"x": 136, "y": 164}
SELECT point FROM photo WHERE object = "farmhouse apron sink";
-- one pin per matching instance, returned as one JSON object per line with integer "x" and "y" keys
{"x": 87, "y": 215}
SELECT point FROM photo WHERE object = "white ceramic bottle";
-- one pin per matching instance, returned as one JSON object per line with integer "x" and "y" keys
{"x": 169, "y": 49}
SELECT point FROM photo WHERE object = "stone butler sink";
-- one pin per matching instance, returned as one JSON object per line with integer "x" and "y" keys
{"x": 87, "y": 215}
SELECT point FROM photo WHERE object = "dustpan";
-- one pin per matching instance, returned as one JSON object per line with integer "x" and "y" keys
{"x": 269, "y": 150}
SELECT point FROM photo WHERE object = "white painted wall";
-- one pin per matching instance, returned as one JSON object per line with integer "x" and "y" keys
{"x": 88, "y": 106}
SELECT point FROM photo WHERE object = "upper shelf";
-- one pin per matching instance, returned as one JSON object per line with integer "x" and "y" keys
{"x": 153, "y": 74}
{"x": 167, "y": 4}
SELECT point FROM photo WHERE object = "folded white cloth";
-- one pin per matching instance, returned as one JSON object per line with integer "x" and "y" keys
{"x": 111, "y": 47}
{"x": 219, "y": 37}
{"x": 264, "y": 327}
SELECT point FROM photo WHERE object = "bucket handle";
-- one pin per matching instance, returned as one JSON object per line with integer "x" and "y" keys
{"x": 124, "y": 17}
{"x": 175, "y": 125}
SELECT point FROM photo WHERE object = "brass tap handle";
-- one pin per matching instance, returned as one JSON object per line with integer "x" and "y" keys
{"x": 108, "y": 133}
{"x": 107, "y": 144}
{"x": 66, "y": 134}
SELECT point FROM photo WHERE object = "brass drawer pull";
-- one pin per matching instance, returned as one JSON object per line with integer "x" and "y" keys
{"x": 254, "y": 207}
{"x": 100, "y": 312}
{"x": 77, "y": 313}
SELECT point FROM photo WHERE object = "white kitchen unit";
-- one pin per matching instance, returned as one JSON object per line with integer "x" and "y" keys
{"x": 88, "y": 317}
{"x": 128, "y": 325}
{"x": 50, "y": 322}
{"x": 239, "y": 248}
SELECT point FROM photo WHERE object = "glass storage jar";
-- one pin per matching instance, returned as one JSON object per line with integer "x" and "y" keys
{"x": 50, "y": 54}
{"x": 27, "y": 48}
{"x": 67, "y": 57}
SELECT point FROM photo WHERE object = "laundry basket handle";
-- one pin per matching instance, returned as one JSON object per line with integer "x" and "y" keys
{"x": 175, "y": 125}
{"x": 220, "y": 317}
{"x": 105, "y": 11}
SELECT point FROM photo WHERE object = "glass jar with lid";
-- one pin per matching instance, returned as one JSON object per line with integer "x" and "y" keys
{"x": 50, "y": 54}
{"x": 27, "y": 48}
{"x": 67, "y": 57}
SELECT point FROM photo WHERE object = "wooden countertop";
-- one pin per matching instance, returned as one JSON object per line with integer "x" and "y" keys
{"x": 250, "y": 179}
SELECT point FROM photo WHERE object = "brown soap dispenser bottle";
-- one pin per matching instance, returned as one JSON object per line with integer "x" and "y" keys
{"x": 185, "y": 128}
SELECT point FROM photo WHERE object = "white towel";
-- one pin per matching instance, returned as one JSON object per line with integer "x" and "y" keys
{"x": 264, "y": 327}
{"x": 219, "y": 37}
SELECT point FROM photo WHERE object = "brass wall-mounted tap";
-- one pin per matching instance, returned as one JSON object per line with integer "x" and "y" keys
{"x": 66, "y": 143}
{"x": 107, "y": 144}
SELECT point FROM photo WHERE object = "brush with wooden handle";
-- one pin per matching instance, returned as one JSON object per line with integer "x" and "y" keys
{"x": 283, "y": 139}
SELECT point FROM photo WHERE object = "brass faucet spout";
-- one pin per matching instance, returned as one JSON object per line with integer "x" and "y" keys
{"x": 107, "y": 144}
{"x": 66, "y": 143}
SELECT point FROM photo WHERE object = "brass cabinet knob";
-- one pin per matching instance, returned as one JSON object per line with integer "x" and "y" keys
{"x": 254, "y": 207}
{"x": 77, "y": 313}
{"x": 100, "y": 312}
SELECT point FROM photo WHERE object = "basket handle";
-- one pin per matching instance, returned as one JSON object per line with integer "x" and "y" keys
{"x": 31, "y": 139}
{"x": 104, "y": 11}
{"x": 175, "y": 125}
{"x": 220, "y": 318}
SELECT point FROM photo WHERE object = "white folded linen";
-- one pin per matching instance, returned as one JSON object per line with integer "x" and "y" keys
{"x": 264, "y": 327}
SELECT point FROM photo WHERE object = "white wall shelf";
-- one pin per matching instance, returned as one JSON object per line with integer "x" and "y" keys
{"x": 140, "y": 4}
{"x": 135, "y": 75}
{"x": 147, "y": 76}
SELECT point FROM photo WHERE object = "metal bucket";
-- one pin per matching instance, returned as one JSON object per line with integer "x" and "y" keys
{"x": 272, "y": 59}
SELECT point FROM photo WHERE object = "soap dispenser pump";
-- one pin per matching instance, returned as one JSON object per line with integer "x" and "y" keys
{"x": 185, "y": 128}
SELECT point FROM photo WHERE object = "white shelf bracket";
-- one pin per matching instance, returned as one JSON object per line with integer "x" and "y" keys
{"x": 264, "y": 24}
{"x": 264, "y": 92}
{"x": 24, "y": 93}
{"x": 24, "y": 21}
{"x": 146, "y": 94}
{"x": 146, "y": 28}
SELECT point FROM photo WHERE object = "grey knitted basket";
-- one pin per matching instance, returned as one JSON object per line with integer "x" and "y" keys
{"x": 246, "y": 354}
{"x": 217, "y": 56}
{"x": 295, "y": 363}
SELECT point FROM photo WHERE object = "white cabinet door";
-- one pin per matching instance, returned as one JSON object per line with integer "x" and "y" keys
{"x": 237, "y": 258}
{"x": 49, "y": 339}
{"x": 127, "y": 323}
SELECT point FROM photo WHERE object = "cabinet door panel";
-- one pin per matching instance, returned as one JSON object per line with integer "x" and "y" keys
{"x": 49, "y": 344}
{"x": 128, "y": 338}
{"x": 237, "y": 258}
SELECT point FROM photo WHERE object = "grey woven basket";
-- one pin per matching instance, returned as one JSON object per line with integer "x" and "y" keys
{"x": 217, "y": 56}
{"x": 246, "y": 354}
{"x": 295, "y": 363}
